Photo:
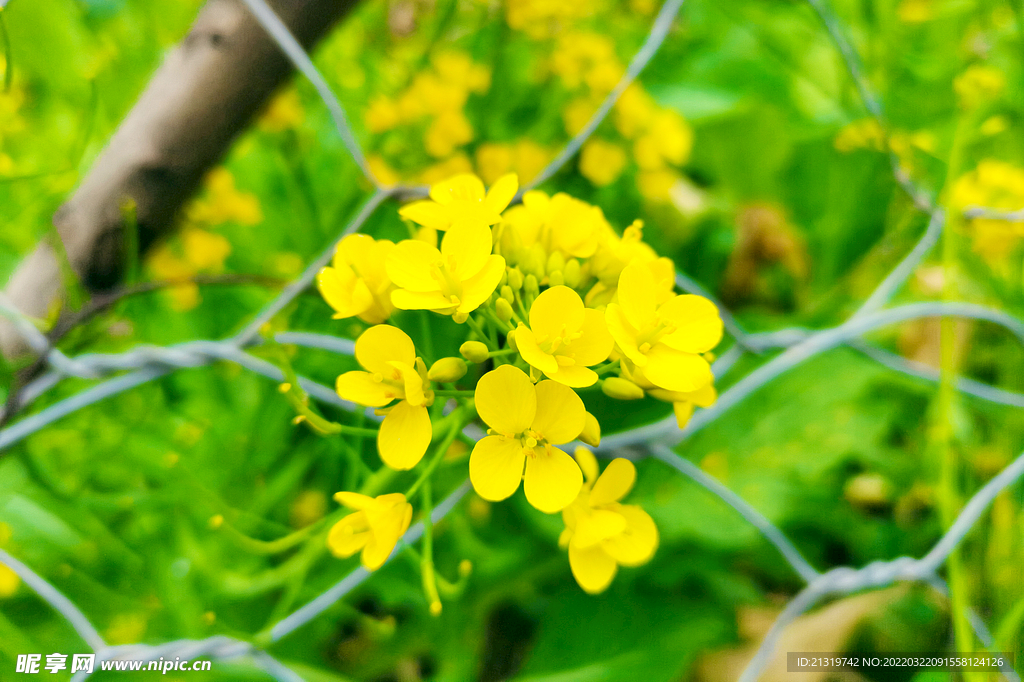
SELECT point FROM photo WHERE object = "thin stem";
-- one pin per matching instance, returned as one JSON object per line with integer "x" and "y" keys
{"x": 427, "y": 561}
{"x": 456, "y": 425}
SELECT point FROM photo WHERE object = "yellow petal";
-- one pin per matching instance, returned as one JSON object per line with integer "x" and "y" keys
{"x": 683, "y": 410}
{"x": 526, "y": 342}
{"x": 637, "y": 294}
{"x": 466, "y": 187}
{"x": 427, "y": 213}
{"x": 556, "y": 310}
{"x": 353, "y": 500}
{"x": 348, "y": 536}
{"x": 379, "y": 345}
{"x": 675, "y": 370}
{"x": 501, "y": 192}
{"x": 496, "y": 467}
{"x": 574, "y": 376}
{"x": 404, "y": 436}
{"x": 345, "y": 293}
{"x": 376, "y": 551}
{"x": 617, "y": 480}
{"x": 698, "y": 326}
{"x": 592, "y": 568}
{"x": 420, "y": 300}
{"x": 360, "y": 388}
{"x": 552, "y": 481}
{"x": 588, "y": 463}
{"x": 597, "y": 525}
{"x": 408, "y": 265}
{"x": 637, "y": 544}
{"x": 561, "y": 415}
{"x": 596, "y": 342}
{"x": 467, "y": 245}
{"x": 413, "y": 383}
{"x": 506, "y": 400}
{"x": 480, "y": 286}
{"x": 623, "y": 333}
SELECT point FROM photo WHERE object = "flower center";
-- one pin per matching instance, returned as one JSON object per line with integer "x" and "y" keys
{"x": 443, "y": 272}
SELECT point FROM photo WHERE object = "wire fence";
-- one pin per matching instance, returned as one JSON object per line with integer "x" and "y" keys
{"x": 147, "y": 363}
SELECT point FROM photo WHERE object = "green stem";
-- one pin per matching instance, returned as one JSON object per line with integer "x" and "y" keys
{"x": 481, "y": 334}
{"x": 453, "y": 393}
{"x": 427, "y": 561}
{"x": 611, "y": 366}
{"x": 442, "y": 448}
{"x": 949, "y": 493}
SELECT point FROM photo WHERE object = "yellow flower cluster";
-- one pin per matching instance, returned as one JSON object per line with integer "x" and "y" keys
{"x": 543, "y": 18}
{"x": 997, "y": 185}
{"x": 198, "y": 249}
{"x": 555, "y": 302}
{"x": 435, "y": 98}
{"x": 660, "y": 138}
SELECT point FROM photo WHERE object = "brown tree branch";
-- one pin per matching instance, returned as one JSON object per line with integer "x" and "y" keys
{"x": 205, "y": 93}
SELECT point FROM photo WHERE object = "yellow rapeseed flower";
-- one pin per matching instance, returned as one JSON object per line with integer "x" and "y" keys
{"x": 374, "y": 528}
{"x": 393, "y": 372}
{"x": 462, "y": 199}
{"x": 223, "y": 202}
{"x": 634, "y": 111}
{"x": 666, "y": 340}
{"x": 383, "y": 114}
{"x": 564, "y": 339}
{"x": 979, "y": 84}
{"x": 668, "y": 140}
{"x": 283, "y": 113}
{"x": 448, "y": 130}
{"x": 455, "y": 280}
{"x": 456, "y": 164}
{"x": 526, "y": 423}
{"x": 602, "y": 162}
{"x": 204, "y": 250}
{"x": 600, "y": 532}
{"x": 559, "y": 224}
{"x": 683, "y": 402}
{"x": 525, "y": 158}
{"x": 356, "y": 283}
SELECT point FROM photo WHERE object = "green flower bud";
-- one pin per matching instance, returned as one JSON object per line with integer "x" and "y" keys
{"x": 556, "y": 262}
{"x": 460, "y": 317}
{"x": 556, "y": 278}
{"x": 447, "y": 370}
{"x": 515, "y": 279}
{"x": 532, "y": 287}
{"x": 507, "y": 294}
{"x": 535, "y": 260}
{"x": 621, "y": 389}
{"x": 512, "y": 340}
{"x": 474, "y": 351}
{"x": 504, "y": 310}
{"x": 591, "y": 434}
{"x": 571, "y": 273}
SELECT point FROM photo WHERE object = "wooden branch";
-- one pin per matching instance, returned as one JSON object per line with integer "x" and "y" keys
{"x": 205, "y": 93}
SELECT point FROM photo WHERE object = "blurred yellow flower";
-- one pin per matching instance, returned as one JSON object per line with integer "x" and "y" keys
{"x": 457, "y": 164}
{"x": 283, "y": 113}
{"x": 564, "y": 339}
{"x": 222, "y": 202}
{"x": 600, "y": 532}
{"x": 450, "y": 129}
{"x": 393, "y": 372}
{"x": 543, "y": 18}
{"x": 375, "y": 528}
{"x": 999, "y": 186}
{"x": 382, "y": 114}
{"x": 204, "y": 250}
{"x": 525, "y": 158}
{"x": 979, "y": 84}
{"x": 356, "y": 283}
{"x": 601, "y": 162}
{"x": 668, "y": 140}
{"x": 526, "y": 422}
{"x": 9, "y": 582}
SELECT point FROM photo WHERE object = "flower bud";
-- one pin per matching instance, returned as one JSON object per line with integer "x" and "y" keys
{"x": 556, "y": 278}
{"x": 460, "y": 317}
{"x": 507, "y": 294}
{"x": 571, "y": 273}
{"x": 591, "y": 434}
{"x": 474, "y": 351}
{"x": 556, "y": 262}
{"x": 621, "y": 389}
{"x": 503, "y": 309}
{"x": 532, "y": 287}
{"x": 512, "y": 340}
{"x": 515, "y": 278}
{"x": 535, "y": 260}
{"x": 447, "y": 370}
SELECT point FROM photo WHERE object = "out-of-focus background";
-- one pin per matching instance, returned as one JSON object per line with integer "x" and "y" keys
{"x": 748, "y": 153}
